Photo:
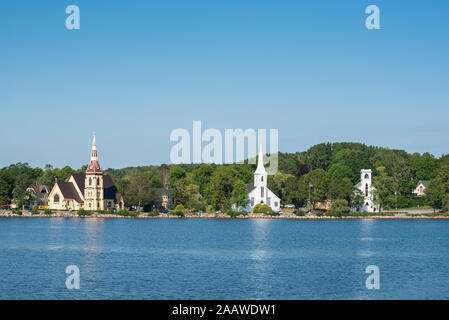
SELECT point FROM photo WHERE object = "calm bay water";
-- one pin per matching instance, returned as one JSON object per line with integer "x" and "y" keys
{"x": 223, "y": 259}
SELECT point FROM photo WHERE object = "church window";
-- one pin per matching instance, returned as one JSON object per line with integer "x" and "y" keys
{"x": 252, "y": 201}
{"x": 98, "y": 181}
{"x": 90, "y": 181}
{"x": 261, "y": 178}
{"x": 262, "y": 192}
{"x": 367, "y": 176}
{"x": 366, "y": 190}
{"x": 56, "y": 199}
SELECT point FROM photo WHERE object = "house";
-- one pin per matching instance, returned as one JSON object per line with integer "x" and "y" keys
{"x": 258, "y": 191}
{"x": 365, "y": 186}
{"x": 38, "y": 194}
{"x": 90, "y": 191}
{"x": 164, "y": 196}
{"x": 419, "y": 190}
{"x": 325, "y": 205}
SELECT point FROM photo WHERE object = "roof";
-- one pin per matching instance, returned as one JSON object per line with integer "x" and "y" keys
{"x": 68, "y": 191}
{"x": 80, "y": 180}
{"x": 110, "y": 190}
{"x": 38, "y": 188}
{"x": 425, "y": 183}
{"x": 250, "y": 187}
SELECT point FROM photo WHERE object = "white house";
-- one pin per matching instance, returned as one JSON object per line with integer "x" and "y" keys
{"x": 258, "y": 191}
{"x": 367, "y": 189}
{"x": 419, "y": 190}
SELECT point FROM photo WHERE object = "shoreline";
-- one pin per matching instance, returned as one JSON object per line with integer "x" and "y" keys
{"x": 74, "y": 215}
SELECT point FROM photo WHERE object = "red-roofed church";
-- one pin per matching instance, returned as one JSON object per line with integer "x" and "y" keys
{"x": 90, "y": 191}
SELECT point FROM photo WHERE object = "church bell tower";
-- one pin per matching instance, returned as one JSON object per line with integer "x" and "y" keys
{"x": 260, "y": 180}
{"x": 93, "y": 191}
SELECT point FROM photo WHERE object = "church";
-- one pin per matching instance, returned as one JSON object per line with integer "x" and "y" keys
{"x": 258, "y": 191}
{"x": 90, "y": 191}
{"x": 367, "y": 189}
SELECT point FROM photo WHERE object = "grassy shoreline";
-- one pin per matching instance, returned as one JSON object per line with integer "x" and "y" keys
{"x": 66, "y": 214}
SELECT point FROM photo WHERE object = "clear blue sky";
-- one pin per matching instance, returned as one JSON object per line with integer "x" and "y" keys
{"x": 136, "y": 70}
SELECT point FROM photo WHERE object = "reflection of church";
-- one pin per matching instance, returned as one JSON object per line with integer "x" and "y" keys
{"x": 367, "y": 189}
{"x": 90, "y": 191}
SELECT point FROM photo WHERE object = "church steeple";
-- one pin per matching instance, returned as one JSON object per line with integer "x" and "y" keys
{"x": 94, "y": 166}
{"x": 260, "y": 167}
{"x": 93, "y": 191}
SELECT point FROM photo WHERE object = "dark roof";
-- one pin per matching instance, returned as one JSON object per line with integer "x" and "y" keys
{"x": 68, "y": 191}
{"x": 110, "y": 191}
{"x": 250, "y": 187}
{"x": 80, "y": 180}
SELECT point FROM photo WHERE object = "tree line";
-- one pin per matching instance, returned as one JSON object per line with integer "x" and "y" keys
{"x": 327, "y": 171}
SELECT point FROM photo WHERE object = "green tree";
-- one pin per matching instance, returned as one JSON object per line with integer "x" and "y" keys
{"x": 222, "y": 184}
{"x": 140, "y": 193}
{"x": 175, "y": 174}
{"x": 435, "y": 193}
{"x": 240, "y": 194}
{"x": 6, "y": 186}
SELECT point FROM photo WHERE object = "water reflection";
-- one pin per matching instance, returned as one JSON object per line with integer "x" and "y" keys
{"x": 93, "y": 236}
{"x": 260, "y": 267}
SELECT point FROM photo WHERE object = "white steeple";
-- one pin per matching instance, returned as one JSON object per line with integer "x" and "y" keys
{"x": 260, "y": 167}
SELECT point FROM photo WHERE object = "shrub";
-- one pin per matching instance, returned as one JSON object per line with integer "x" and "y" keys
{"x": 48, "y": 211}
{"x": 34, "y": 211}
{"x": 83, "y": 213}
{"x": 179, "y": 207}
{"x": 17, "y": 211}
{"x": 122, "y": 212}
{"x": 300, "y": 213}
{"x": 178, "y": 213}
{"x": 127, "y": 213}
{"x": 153, "y": 213}
{"x": 234, "y": 214}
{"x": 262, "y": 208}
{"x": 339, "y": 207}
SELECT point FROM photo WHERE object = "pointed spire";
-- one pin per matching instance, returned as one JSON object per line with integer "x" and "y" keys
{"x": 94, "y": 166}
{"x": 260, "y": 167}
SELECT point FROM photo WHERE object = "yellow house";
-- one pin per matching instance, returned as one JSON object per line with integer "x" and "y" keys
{"x": 90, "y": 191}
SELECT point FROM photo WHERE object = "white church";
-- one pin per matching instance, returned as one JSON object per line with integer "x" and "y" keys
{"x": 258, "y": 191}
{"x": 367, "y": 189}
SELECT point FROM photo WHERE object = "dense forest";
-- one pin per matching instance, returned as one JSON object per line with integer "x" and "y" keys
{"x": 327, "y": 171}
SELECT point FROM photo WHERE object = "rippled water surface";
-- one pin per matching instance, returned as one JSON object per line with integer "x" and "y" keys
{"x": 223, "y": 259}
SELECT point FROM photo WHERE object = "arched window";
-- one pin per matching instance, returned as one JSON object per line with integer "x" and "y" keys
{"x": 367, "y": 176}
{"x": 98, "y": 181}
{"x": 90, "y": 181}
{"x": 261, "y": 178}
{"x": 262, "y": 192}
{"x": 56, "y": 198}
{"x": 366, "y": 190}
